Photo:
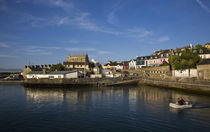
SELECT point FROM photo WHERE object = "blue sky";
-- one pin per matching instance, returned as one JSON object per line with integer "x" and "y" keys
{"x": 46, "y": 31}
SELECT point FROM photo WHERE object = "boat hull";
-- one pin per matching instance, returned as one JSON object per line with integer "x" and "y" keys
{"x": 173, "y": 105}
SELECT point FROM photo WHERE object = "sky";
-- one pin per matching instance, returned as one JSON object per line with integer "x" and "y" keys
{"x": 46, "y": 31}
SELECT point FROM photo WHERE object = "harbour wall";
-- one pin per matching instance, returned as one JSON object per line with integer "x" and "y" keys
{"x": 188, "y": 85}
{"x": 80, "y": 82}
{"x": 197, "y": 87}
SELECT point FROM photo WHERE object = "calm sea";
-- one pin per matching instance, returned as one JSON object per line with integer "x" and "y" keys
{"x": 119, "y": 109}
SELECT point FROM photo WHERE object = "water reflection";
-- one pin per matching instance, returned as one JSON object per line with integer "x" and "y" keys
{"x": 100, "y": 109}
{"x": 131, "y": 96}
{"x": 39, "y": 95}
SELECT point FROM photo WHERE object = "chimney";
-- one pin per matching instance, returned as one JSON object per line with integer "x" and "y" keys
{"x": 43, "y": 71}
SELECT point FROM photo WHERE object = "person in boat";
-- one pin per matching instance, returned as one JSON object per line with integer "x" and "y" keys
{"x": 180, "y": 101}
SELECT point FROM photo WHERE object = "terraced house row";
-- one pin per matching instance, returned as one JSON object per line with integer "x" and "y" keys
{"x": 156, "y": 59}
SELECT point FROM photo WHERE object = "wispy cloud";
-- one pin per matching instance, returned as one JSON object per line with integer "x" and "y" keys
{"x": 3, "y": 45}
{"x": 66, "y": 5}
{"x": 32, "y": 20}
{"x": 63, "y": 20}
{"x": 102, "y": 52}
{"x": 3, "y": 5}
{"x": 80, "y": 49}
{"x": 111, "y": 16}
{"x": 70, "y": 41}
{"x": 138, "y": 32}
{"x": 39, "y": 50}
{"x": 7, "y": 56}
{"x": 43, "y": 47}
{"x": 83, "y": 21}
{"x": 203, "y": 6}
{"x": 163, "y": 39}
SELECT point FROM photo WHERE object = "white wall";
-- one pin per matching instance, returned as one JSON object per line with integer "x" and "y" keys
{"x": 184, "y": 73}
{"x": 118, "y": 67}
{"x": 205, "y": 56}
{"x": 132, "y": 64}
{"x": 73, "y": 75}
{"x": 37, "y": 76}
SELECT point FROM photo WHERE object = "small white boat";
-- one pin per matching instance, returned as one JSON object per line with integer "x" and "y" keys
{"x": 186, "y": 105}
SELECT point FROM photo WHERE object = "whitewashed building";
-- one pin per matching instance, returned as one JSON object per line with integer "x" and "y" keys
{"x": 53, "y": 74}
{"x": 132, "y": 64}
{"x": 142, "y": 61}
{"x": 119, "y": 66}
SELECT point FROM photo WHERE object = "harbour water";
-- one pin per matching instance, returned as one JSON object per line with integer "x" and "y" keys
{"x": 141, "y": 108}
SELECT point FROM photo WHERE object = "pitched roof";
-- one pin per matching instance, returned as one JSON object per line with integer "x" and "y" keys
{"x": 204, "y": 62}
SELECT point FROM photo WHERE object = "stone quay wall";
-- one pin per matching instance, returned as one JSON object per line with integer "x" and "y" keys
{"x": 80, "y": 82}
{"x": 202, "y": 87}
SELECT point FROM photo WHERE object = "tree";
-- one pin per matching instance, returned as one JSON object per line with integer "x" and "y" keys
{"x": 200, "y": 47}
{"x": 174, "y": 61}
{"x": 57, "y": 67}
{"x": 187, "y": 60}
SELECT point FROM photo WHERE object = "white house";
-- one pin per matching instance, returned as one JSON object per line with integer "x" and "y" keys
{"x": 205, "y": 56}
{"x": 119, "y": 66}
{"x": 53, "y": 74}
{"x": 142, "y": 61}
{"x": 132, "y": 64}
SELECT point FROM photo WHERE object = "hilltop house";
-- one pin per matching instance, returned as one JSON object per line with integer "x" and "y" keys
{"x": 207, "y": 46}
{"x": 204, "y": 54}
{"x": 153, "y": 61}
{"x": 163, "y": 57}
{"x": 142, "y": 61}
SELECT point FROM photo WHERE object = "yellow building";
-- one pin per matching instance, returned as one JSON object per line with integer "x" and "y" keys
{"x": 107, "y": 66}
{"x": 207, "y": 46}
